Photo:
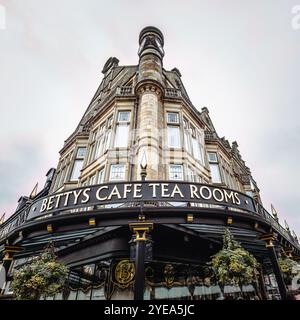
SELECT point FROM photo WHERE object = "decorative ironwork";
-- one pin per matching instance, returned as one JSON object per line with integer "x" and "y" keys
{"x": 169, "y": 275}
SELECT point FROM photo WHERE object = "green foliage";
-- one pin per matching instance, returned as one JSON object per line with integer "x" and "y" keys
{"x": 233, "y": 265}
{"x": 43, "y": 276}
{"x": 287, "y": 267}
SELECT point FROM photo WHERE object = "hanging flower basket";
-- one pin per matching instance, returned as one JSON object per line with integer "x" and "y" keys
{"x": 42, "y": 276}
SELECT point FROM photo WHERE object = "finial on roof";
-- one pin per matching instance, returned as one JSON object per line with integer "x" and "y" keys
{"x": 34, "y": 191}
{"x": 175, "y": 70}
{"x": 111, "y": 62}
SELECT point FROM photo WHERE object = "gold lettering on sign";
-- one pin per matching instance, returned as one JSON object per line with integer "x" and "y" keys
{"x": 229, "y": 196}
{"x": 164, "y": 189}
{"x": 58, "y": 199}
{"x": 136, "y": 190}
{"x": 238, "y": 201}
{"x": 114, "y": 192}
{"x": 44, "y": 205}
{"x": 67, "y": 194}
{"x": 221, "y": 198}
{"x": 98, "y": 193}
{"x": 154, "y": 186}
{"x": 176, "y": 190}
{"x": 86, "y": 195}
{"x": 50, "y": 203}
{"x": 193, "y": 191}
{"x": 76, "y": 193}
{"x": 209, "y": 192}
{"x": 126, "y": 190}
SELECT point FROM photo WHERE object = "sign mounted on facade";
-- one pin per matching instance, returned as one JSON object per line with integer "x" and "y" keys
{"x": 139, "y": 192}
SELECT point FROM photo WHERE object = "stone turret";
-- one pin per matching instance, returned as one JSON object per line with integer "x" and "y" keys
{"x": 149, "y": 89}
{"x": 151, "y": 53}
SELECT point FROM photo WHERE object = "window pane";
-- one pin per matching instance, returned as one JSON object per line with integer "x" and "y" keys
{"x": 187, "y": 141}
{"x": 121, "y": 139}
{"x": 76, "y": 169}
{"x": 117, "y": 172}
{"x": 84, "y": 183}
{"x": 93, "y": 179}
{"x": 190, "y": 175}
{"x": 62, "y": 177}
{"x": 108, "y": 140}
{"x": 212, "y": 157}
{"x": 101, "y": 176}
{"x": 185, "y": 124}
{"x": 124, "y": 116}
{"x": 176, "y": 172}
{"x": 109, "y": 122}
{"x": 215, "y": 173}
{"x": 92, "y": 152}
{"x": 196, "y": 150}
{"x": 99, "y": 148}
{"x": 57, "y": 181}
{"x": 81, "y": 152}
{"x": 173, "y": 137}
{"x": 173, "y": 117}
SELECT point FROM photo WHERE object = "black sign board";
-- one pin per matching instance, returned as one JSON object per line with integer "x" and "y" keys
{"x": 139, "y": 191}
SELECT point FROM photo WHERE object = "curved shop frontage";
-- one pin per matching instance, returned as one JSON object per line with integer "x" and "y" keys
{"x": 146, "y": 239}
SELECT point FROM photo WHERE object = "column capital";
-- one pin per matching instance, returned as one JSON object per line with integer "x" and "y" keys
{"x": 141, "y": 229}
{"x": 9, "y": 251}
{"x": 268, "y": 238}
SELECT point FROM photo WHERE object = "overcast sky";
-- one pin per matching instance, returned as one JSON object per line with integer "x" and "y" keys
{"x": 241, "y": 59}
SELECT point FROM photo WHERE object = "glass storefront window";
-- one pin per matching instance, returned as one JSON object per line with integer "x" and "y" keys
{"x": 114, "y": 280}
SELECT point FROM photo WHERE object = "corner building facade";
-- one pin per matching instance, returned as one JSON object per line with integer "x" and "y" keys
{"x": 144, "y": 164}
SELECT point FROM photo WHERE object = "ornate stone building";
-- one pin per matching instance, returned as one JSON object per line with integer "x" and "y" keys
{"x": 141, "y": 127}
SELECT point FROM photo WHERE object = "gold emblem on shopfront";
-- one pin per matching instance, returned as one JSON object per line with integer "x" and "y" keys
{"x": 124, "y": 272}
